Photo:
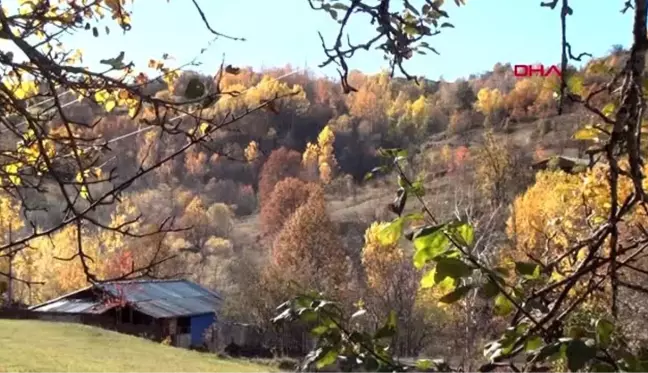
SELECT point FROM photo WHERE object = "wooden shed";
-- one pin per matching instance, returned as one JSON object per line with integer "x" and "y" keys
{"x": 177, "y": 309}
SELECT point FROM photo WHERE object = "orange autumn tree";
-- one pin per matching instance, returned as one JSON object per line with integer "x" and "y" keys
{"x": 288, "y": 195}
{"x": 282, "y": 163}
{"x": 309, "y": 251}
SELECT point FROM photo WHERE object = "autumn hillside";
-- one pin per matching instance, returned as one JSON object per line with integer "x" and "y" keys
{"x": 281, "y": 196}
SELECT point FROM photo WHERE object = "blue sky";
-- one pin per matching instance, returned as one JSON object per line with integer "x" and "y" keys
{"x": 281, "y": 32}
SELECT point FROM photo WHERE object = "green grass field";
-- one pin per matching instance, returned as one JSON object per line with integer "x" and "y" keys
{"x": 39, "y": 346}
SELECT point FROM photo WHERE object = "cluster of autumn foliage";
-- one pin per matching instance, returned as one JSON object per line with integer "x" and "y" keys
{"x": 287, "y": 163}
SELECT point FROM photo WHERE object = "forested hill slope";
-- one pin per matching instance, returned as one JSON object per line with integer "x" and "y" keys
{"x": 284, "y": 188}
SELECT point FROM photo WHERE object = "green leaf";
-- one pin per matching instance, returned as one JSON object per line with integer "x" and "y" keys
{"x": 551, "y": 351}
{"x": 533, "y": 343}
{"x": 370, "y": 364}
{"x": 195, "y": 89}
{"x": 456, "y": 294}
{"x": 423, "y": 364}
{"x": 576, "y": 332}
{"x": 430, "y": 242}
{"x": 416, "y": 188}
{"x": 319, "y": 330}
{"x": 575, "y": 84}
{"x": 307, "y": 315}
{"x": 601, "y": 367}
{"x": 451, "y": 267}
{"x": 488, "y": 290}
{"x": 327, "y": 358}
{"x": 446, "y": 24}
{"x": 604, "y": 329}
{"x": 427, "y": 281}
{"x": 528, "y": 269}
{"x": 465, "y": 232}
{"x": 339, "y": 6}
{"x": 430, "y": 49}
{"x": 389, "y": 329}
{"x": 115, "y": 63}
{"x": 578, "y": 354}
{"x": 503, "y": 306}
{"x": 411, "y": 8}
{"x": 391, "y": 232}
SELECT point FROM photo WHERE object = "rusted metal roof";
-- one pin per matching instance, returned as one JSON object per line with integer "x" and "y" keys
{"x": 156, "y": 298}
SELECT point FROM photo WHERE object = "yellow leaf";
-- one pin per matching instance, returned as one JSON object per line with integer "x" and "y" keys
{"x": 203, "y": 127}
{"x": 609, "y": 109}
{"x": 11, "y": 168}
{"x": 84, "y": 192}
{"x": 15, "y": 179}
{"x": 19, "y": 93}
{"x": 587, "y": 133}
{"x": 29, "y": 134}
{"x": 101, "y": 96}
{"x": 132, "y": 111}
{"x": 110, "y": 105}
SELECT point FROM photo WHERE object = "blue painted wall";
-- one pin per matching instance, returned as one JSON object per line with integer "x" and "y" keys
{"x": 198, "y": 326}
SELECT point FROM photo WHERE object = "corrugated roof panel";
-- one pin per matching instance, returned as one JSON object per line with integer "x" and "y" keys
{"x": 166, "y": 298}
{"x": 70, "y": 306}
{"x": 154, "y": 309}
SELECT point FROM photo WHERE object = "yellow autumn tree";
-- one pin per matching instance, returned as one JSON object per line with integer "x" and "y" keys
{"x": 372, "y": 101}
{"x": 562, "y": 209}
{"x": 11, "y": 223}
{"x": 398, "y": 107}
{"x": 252, "y": 151}
{"x": 321, "y": 155}
{"x": 490, "y": 102}
{"x": 494, "y": 168}
{"x": 326, "y": 160}
{"x": 523, "y": 96}
{"x": 380, "y": 261}
{"x": 47, "y": 261}
{"x": 394, "y": 284}
{"x": 420, "y": 112}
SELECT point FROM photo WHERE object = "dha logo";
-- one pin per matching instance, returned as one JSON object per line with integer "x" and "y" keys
{"x": 524, "y": 71}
